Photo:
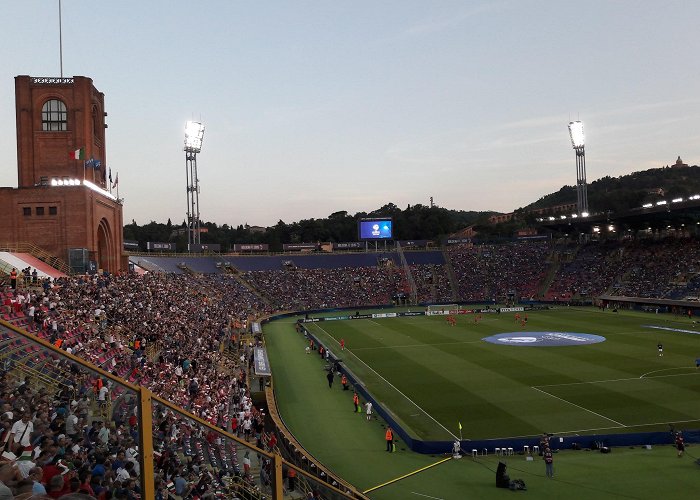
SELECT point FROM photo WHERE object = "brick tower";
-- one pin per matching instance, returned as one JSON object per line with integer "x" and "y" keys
{"x": 62, "y": 202}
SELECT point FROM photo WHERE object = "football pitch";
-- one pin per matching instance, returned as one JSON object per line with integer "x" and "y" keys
{"x": 433, "y": 377}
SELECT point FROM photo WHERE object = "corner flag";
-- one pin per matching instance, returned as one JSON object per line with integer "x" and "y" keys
{"x": 460, "y": 425}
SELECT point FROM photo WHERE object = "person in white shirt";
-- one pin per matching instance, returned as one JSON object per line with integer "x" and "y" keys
{"x": 368, "y": 410}
{"x": 21, "y": 432}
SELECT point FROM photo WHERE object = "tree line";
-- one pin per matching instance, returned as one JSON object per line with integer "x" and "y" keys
{"x": 415, "y": 222}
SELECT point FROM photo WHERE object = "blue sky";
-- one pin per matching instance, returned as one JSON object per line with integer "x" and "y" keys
{"x": 312, "y": 107}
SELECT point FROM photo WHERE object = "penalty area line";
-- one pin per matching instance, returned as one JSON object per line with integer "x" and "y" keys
{"x": 668, "y": 370}
{"x": 426, "y": 496}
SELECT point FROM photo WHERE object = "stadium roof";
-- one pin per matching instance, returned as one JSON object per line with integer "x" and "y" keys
{"x": 676, "y": 214}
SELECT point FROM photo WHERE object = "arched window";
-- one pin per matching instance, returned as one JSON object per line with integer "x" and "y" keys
{"x": 95, "y": 122}
{"x": 54, "y": 116}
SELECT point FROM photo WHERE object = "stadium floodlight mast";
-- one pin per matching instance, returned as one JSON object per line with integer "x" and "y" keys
{"x": 194, "y": 134}
{"x": 578, "y": 141}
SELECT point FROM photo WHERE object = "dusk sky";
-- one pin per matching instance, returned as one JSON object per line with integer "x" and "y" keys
{"x": 313, "y": 107}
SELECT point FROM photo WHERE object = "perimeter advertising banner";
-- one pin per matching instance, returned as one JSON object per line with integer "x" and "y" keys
{"x": 204, "y": 247}
{"x": 161, "y": 246}
{"x": 131, "y": 245}
{"x": 348, "y": 245}
{"x": 414, "y": 243}
{"x": 251, "y": 247}
{"x": 262, "y": 365}
{"x": 299, "y": 246}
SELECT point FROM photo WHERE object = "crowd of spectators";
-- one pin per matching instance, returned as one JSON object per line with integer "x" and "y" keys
{"x": 493, "y": 272}
{"x": 171, "y": 334}
{"x": 298, "y": 289}
{"x": 666, "y": 268}
{"x": 659, "y": 268}
{"x": 432, "y": 283}
{"x": 164, "y": 332}
{"x": 584, "y": 271}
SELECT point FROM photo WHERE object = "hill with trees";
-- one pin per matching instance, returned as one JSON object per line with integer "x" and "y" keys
{"x": 421, "y": 222}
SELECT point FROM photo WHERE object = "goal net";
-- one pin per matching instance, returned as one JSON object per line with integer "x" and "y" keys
{"x": 441, "y": 309}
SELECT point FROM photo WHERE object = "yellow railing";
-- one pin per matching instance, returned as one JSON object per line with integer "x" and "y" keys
{"x": 37, "y": 252}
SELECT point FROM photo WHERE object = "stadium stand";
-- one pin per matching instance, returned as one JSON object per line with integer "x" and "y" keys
{"x": 180, "y": 335}
{"x": 152, "y": 331}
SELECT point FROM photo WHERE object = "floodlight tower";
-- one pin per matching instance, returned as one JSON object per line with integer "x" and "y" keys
{"x": 194, "y": 134}
{"x": 578, "y": 142}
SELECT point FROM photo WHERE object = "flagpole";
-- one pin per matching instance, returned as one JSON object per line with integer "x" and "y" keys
{"x": 117, "y": 186}
{"x": 60, "y": 36}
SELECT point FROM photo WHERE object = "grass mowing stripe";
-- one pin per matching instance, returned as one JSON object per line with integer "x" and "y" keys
{"x": 388, "y": 383}
{"x": 579, "y": 406}
{"x": 417, "y": 345}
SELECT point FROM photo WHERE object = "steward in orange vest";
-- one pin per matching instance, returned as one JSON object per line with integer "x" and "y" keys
{"x": 356, "y": 402}
{"x": 389, "y": 436}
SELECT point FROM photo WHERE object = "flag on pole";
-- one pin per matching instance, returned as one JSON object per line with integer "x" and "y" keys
{"x": 78, "y": 154}
{"x": 116, "y": 181}
{"x": 110, "y": 176}
{"x": 460, "y": 425}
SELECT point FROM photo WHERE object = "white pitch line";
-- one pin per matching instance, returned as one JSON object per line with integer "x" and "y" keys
{"x": 668, "y": 370}
{"x": 427, "y": 496}
{"x": 579, "y": 406}
{"x": 390, "y": 384}
{"x": 623, "y": 379}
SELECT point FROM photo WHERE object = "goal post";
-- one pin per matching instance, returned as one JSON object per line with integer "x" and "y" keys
{"x": 441, "y": 309}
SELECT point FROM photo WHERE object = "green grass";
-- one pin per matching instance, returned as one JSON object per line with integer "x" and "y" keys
{"x": 432, "y": 376}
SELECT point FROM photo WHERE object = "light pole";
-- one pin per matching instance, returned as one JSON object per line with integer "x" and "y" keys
{"x": 578, "y": 142}
{"x": 194, "y": 134}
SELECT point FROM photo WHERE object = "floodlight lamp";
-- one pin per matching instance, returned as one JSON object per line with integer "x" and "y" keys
{"x": 573, "y": 216}
{"x": 576, "y": 132}
{"x": 563, "y": 217}
{"x": 584, "y": 214}
{"x": 676, "y": 200}
{"x": 54, "y": 182}
{"x": 647, "y": 205}
{"x": 194, "y": 134}
{"x": 662, "y": 202}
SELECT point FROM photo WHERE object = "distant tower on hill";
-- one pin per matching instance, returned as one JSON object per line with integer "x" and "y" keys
{"x": 62, "y": 202}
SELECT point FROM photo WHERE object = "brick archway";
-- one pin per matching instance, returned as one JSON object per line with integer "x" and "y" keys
{"x": 106, "y": 259}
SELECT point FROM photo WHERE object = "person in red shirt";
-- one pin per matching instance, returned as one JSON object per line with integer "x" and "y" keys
{"x": 680, "y": 444}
